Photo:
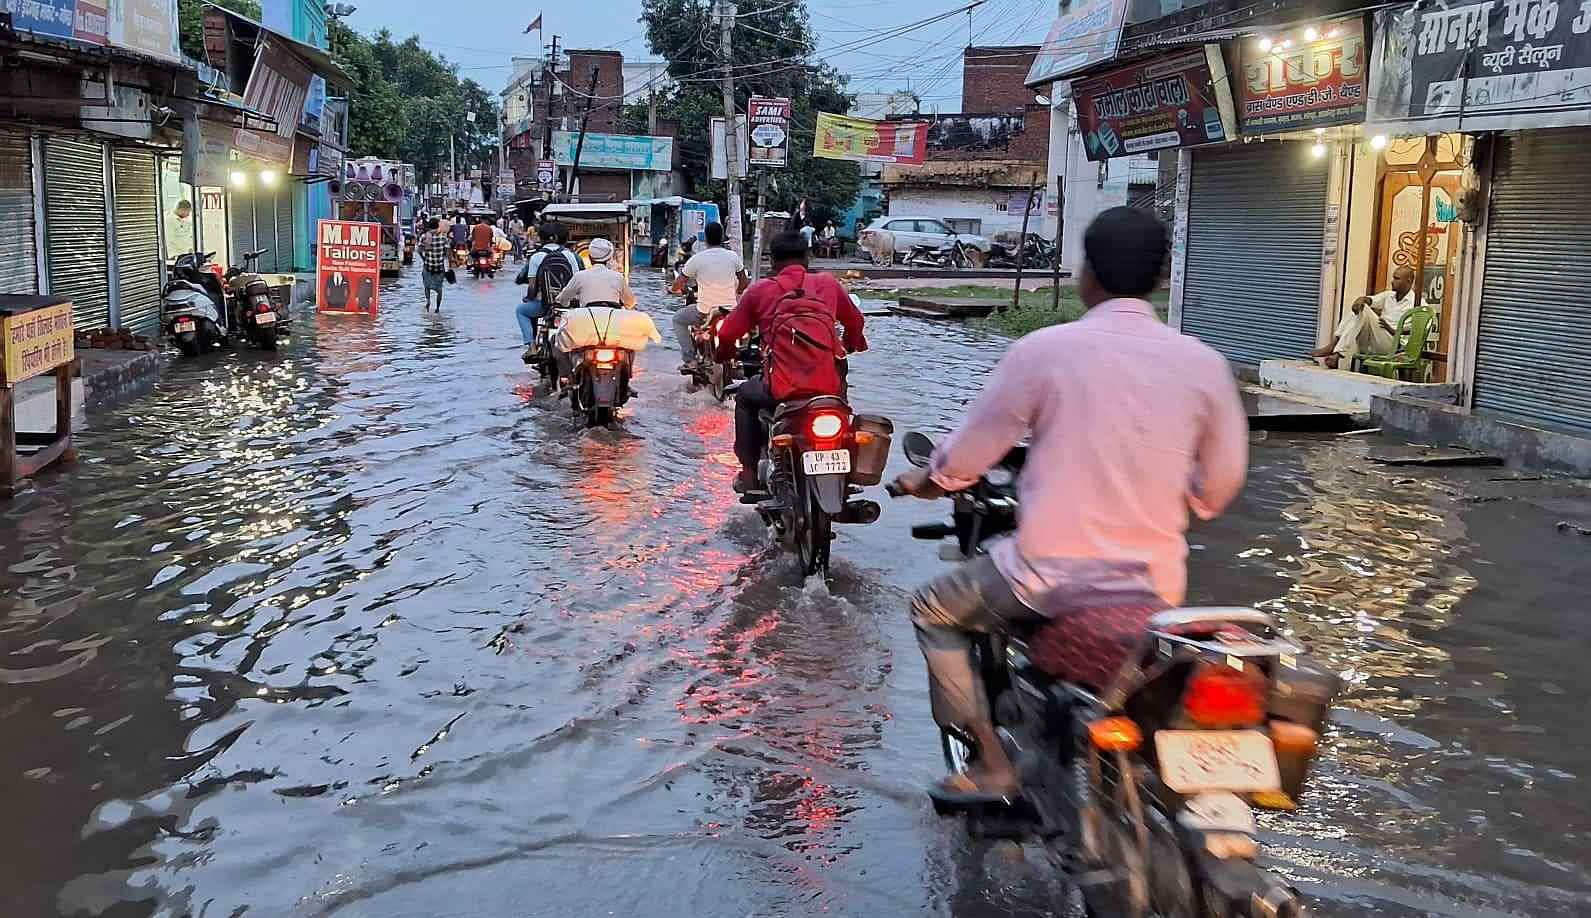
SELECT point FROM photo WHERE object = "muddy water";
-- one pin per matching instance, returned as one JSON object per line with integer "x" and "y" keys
{"x": 367, "y": 628}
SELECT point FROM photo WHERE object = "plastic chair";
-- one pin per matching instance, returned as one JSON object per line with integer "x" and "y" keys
{"x": 1414, "y": 331}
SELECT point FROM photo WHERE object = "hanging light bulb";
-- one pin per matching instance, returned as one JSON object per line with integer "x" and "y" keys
{"x": 1311, "y": 34}
{"x": 1265, "y": 44}
{"x": 1286, "y": 43}
{"x": 1378, "y": 142}
{"x": 238, "y": 179}
{"x": 1318, "y": 150}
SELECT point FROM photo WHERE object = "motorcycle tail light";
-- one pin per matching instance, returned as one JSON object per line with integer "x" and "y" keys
{"x": 826, "y": 426}
{"x": 606, "y": 355}
{"x": 1220, "y": 697}
{"x": 1115, "y": 734}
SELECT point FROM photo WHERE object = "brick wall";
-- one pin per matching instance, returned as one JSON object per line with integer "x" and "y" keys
{"x": 610, "y": 85}
{"x": 991, "y": 79}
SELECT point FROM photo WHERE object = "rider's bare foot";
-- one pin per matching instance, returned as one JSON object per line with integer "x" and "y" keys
{"x": 976, "y": 785}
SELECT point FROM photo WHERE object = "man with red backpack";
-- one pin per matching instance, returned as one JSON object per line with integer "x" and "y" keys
{"x": 795, "y": 311}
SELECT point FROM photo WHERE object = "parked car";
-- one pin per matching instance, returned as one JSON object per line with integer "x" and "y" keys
{"x": 911, "y": 232}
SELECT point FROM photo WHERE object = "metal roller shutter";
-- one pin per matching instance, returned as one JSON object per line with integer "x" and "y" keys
{"x": 137, "y": 219}
{"x": 19, "y": 267}
{"x": 282, "y": 245}
{"x": 1251, "y": 276}
{"x": 74, "y": 217}
{"x": 1533, "y": 350}
{"x": 240, "y": 212}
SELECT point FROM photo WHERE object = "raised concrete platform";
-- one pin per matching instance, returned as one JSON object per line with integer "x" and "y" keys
{"x": 105, "y": 377}
{"x": 1310, "y": 380}
{"x": 952, "y": 307}
{"x": 1520, "y": 444}
{"x": 1281, "y": 411}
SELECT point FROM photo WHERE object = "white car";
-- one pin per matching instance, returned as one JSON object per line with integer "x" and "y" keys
{"x": 913, "y": 231}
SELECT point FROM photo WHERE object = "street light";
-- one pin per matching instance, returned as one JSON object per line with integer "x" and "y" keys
{"x": 238, "y": 179}
{"x": 340, "y": 10}
{"x": 268, "y": 177}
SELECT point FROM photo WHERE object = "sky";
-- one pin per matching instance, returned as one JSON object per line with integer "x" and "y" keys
{"x": 862, "y": 38}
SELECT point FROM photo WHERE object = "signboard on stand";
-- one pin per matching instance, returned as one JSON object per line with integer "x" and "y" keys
{"x": 1291, "y": 87}
{"x": 1178, "y": 101}
{"x": 770, "y": 131}
{"x": 1481, "y": 65}
{"x": 348, "y": 270}
{"x": 35, "y": 342}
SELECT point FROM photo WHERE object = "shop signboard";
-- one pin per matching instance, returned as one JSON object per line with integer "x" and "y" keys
{"x": 80, "y": 20}
{"x": 770, "y": 131}
{"x": 146, "y": 26}
{"x": 1298, "y": 85}
{"x": 278, "y": 86}
{"x": 1178, "y": 101}
{"x": 1481, "y": 65}
{"x": 546, "y": 174}
{"x": 615, "y": 151}
{"x": 348, "y": 270}
{"x": 902, "y": 143}
{"x": 35, "y": 341}
{"x": 1085, "y": 33}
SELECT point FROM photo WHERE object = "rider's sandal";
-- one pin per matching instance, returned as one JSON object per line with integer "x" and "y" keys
{"x": 958, "y": 790}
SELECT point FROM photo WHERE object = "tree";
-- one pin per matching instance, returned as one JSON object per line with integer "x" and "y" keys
{"x": 190, "y": 21}
{"x": 773, "y": 50}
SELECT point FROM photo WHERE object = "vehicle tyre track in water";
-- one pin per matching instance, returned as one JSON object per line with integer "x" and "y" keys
{"x": 369, "y": 627}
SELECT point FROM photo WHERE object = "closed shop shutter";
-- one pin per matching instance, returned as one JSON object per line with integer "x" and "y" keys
{"x": 19, "y": 268}
{"x": 74, "y": 222}
{"x": 282, "y": 246}
{"x": 1533, "y": 349}
{"x": 240, "y": 210}
{"x": 1251, "y": 275}
{"x": 137, "y": 218}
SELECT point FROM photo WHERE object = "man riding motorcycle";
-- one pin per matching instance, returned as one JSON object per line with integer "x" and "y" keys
{"x": 756, "y": 310}
{"x": 720, "y": 277}
{"x": 1130, "y": 425}
{"x": 553, "y": 235}
{"x": 483, "y": 237}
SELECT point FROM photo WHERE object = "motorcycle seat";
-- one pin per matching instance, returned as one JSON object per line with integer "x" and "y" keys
{"x": 1089, "y": 644}
{"x": 817, "y": 401}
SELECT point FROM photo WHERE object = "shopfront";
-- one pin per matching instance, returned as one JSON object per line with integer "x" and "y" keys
{"x": 19, "y": 265}
{"x": 77, "y": 236}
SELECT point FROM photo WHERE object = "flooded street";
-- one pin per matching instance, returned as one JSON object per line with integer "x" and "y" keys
{"x": 366, "y": 628}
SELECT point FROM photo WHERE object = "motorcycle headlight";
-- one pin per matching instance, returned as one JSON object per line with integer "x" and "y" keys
{"x": 999, "y": 477}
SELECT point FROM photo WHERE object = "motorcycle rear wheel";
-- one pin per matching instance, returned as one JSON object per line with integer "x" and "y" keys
{"x": 718, "y": 380}
{"x": 813, "y": 531}
{"x": 265, "y": 340}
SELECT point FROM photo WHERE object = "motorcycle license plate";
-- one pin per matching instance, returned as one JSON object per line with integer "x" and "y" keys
{"x": 182, "y": 326}
{"x": 826, "y": 462}
{"x": 265, "y": 318}
{"x": 1193, "y": 761}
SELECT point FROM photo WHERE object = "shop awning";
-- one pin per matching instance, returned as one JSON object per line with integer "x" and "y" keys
{"x": 318, "y": 60}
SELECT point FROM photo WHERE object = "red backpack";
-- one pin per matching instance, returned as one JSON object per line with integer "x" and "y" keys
{"x": 801, "y": 348}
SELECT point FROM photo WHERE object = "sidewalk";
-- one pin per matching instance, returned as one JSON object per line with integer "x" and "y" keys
{"x": 105, "y": 377}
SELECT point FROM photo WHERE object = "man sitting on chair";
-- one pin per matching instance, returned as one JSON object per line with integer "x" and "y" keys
{"x": 1371, "y": 325}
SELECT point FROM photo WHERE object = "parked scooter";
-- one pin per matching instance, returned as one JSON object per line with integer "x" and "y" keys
{"x": 192, "y": 312}
{"x": 254, "y": 313}
{"x": 1148, "y": 773}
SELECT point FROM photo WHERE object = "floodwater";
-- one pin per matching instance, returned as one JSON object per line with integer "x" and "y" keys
{"x": 366, "y": 628}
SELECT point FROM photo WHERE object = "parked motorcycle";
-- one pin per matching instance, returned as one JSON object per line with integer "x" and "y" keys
{"x": 253, "y": 312}
{"x": 953, "y": 254}
{"x": 483, "y": 264}
{"x": 818, "y": 457}
{"x": 1036, "y": 252}
{"x": 1151, "y": 778}
{"x": 192, "y": 311}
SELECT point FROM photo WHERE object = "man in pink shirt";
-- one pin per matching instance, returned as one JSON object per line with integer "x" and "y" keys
{"x": 1130, "y": 425}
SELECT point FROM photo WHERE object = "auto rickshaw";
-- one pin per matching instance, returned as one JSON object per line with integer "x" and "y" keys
{"x": 586, "y": 222}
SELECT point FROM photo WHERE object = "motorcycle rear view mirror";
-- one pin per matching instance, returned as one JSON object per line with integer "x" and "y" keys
{"x": 918, "y": 447}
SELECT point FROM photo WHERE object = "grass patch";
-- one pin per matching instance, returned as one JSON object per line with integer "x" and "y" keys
{"x": 1035, "y": 309}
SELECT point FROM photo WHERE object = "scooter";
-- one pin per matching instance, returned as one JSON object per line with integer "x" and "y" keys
{"x": 254, "y": 313}
{"x": 192, "y": 314}
{"x": 1143, "y": 751}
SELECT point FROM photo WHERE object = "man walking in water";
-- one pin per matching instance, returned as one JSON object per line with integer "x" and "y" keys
{"x": 434, "y": 251}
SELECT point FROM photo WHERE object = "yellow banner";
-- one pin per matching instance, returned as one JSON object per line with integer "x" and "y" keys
{"x": 860, "y": 139}
{"x": 36, "y": 342}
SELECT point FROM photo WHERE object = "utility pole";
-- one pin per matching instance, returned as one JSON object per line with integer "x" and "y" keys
{"x": 585, "y": 121}
{"x": 452, "y": 160}
{"x": 1022, "y": 245}
{"x": 549, "y": 73}
{"x": 651, "y": 100}
{"x": 726, "y": 29}
{"x": 757, "y": 229}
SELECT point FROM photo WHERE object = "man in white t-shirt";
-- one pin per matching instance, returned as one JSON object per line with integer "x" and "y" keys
{"x": 1371, "y": 325}
{"x": 720, "y": 278}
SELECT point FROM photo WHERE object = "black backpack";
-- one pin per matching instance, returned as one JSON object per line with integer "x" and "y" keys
{"x": 552, "y": 275}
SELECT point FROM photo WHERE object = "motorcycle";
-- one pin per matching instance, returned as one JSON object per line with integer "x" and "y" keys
{"x": 952, "y": 254}
{"x": 253, "y": 311}
{"x": 1150, "y": 779}
{"x": 599, "y": 383}
{"x": 709, "y": 372}
{"x": 483, "y": 264}
{"x": 191, "y": 306}
{"x": 461, "y": 255}
{"x": 1036, "y": 252}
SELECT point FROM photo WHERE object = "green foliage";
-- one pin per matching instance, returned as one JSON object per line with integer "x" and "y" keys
{"x": 773, "y": 48}
{"x": 190, "y": 21}
{"x": 408, "y": 104}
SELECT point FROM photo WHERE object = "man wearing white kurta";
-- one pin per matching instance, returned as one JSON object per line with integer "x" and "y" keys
{"x": 1371, "y": 325}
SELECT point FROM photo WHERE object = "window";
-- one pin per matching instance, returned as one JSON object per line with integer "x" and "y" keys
{"x": 968, "y": 225}
{"x": 932, "y": 226}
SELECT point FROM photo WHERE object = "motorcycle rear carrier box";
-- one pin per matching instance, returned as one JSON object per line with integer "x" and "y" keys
{"x": 868, "y": 467}
{"x": 1302, "y": 692}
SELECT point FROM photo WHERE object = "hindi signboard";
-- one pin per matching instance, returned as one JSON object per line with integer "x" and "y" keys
{"x": 1481, "y": 65}
{"x": 1178, "y": 101}
{"x": 36, "y": 341}
{"x": 770, "y": 131}
{"x": 1085, "y": 33}
{"x": 1316, "y": 84}
{"x": 348, "y": 269}
{"x": 615, "y": 151}
{"x": 902, "y": 143}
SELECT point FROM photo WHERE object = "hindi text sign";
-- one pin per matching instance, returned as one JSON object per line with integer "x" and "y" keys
{"x": 1178, "y": 101}
{"x": 1316, "y": 84}
{"x": 902, "y": 143}
{"x": 36, "y": 342}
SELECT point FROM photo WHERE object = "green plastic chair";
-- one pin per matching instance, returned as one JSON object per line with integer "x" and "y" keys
{"x": 1414, "y": 331}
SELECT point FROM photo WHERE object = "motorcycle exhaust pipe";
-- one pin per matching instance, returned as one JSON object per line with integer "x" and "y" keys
{"x": 860, "y": 512}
